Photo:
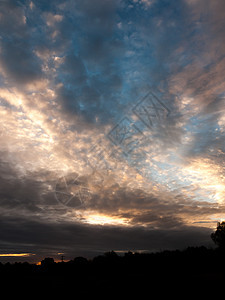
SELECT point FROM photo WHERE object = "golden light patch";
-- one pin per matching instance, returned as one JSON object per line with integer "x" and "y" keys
{"x": 139, "y": 177}
{"x": 101, "y": 219}
{"x": 208, "y": 177}
{"x": 16, "y": 254}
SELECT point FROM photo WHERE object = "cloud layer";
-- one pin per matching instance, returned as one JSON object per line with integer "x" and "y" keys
{"x": 112, "y": 124}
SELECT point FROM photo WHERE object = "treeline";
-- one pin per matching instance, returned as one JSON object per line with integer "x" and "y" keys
{"x": 195, "y": 267}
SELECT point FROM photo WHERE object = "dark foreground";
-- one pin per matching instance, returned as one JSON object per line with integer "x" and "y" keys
{"x": 195, "y": 272}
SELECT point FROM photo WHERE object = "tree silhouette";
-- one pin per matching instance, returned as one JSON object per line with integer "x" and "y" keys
{"x": 218, "y": 236}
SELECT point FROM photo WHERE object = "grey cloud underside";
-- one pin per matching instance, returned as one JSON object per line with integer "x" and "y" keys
{"x": 74, "y": 239}
{"x": 30, "y": 197}
{"x": 28, "y": 222}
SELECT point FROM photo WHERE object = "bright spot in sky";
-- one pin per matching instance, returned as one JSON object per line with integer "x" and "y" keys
{"x": 101, "y": 219}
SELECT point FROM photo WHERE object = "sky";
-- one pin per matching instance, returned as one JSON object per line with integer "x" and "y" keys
{"x": 112, "y": 126}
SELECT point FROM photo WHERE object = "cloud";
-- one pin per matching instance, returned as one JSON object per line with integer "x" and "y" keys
{"x": 71, "y": 72}
{"x": 18, "y": 61}
{"x": 75, "y": 239}
{"x": 202, "y": 80}
{"x": 92, "y": 78}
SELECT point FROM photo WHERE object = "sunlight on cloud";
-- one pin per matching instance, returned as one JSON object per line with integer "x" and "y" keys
{"x": 209, "y": 178}
{"x": 95, "y": 218}
{"x": 61, "y": 151}
{"x": 56, "y": 121}
{"x": 16, "y": 254}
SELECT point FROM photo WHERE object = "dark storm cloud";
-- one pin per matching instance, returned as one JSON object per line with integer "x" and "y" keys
{"x": 18, "y": 193}
{"x": 76, "y": 239}
{"x": 24, "y": 194}
{"x": 33, "y": 221}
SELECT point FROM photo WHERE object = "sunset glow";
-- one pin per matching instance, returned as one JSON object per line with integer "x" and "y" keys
{"x": 99, "y": 219}
{"x": 16, "y": 254}
{"x": 112, "y": 124}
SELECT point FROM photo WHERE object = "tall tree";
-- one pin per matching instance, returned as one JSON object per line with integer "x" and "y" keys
{"x": 218, "y": 236}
